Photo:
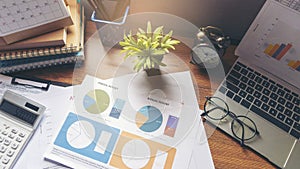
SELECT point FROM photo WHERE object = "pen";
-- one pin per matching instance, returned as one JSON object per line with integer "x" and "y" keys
{"x": 39, "y": 80}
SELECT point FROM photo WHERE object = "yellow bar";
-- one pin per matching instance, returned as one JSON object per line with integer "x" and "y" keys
{"x": 295, "y": 65}
{"x": 268, "y": 49}
{"x": 291, "y": 63}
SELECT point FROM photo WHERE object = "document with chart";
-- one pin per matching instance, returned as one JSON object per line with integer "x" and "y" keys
{"x": 129, "y": 122}
{"x": 273, "y": 42}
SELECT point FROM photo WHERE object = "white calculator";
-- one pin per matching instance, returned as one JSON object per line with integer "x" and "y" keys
{"x": 19, "y": 117}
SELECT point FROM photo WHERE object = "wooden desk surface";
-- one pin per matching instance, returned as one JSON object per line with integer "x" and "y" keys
{"x": 226, "y": 152}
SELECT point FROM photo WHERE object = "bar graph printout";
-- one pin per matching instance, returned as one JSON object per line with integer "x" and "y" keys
{"x": 280, "y": 43}
{"x": 273, "y": 42}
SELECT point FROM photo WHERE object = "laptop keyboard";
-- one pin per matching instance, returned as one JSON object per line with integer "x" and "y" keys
{"x": 263, "y": 96}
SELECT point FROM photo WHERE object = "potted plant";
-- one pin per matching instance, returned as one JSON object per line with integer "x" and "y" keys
{"x": 148, "y": 47}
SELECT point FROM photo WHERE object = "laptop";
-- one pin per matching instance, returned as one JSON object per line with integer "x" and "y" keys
{"x": 264, "y": 82}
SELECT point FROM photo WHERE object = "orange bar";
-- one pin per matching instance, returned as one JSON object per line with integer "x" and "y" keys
{"x": 284, "y": 51}
{"x": 268, "y": 49}
{"x": 295, "y": 65}
{"x": 275, "y": 47}
{"x": 291, "y": 63}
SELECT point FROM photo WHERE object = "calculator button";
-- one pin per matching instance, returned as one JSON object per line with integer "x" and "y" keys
{"x": 10, "y": 153}
{"x": 14, "y": 146}
{"x": 7, "y": 142}
{"x": 5, "y": 160}
{"x": 6, "y": 126}
{"x": 15, "y": 131}
{"x": 21, "y": 134}
{"x": 18, "y": 139}
{"x": 10, "y": 135}
{"x": 4, "y": 132}
{"x": 2, "y": 149}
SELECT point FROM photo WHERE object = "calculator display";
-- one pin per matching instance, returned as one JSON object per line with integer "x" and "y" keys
{"x": 18, "y": 112}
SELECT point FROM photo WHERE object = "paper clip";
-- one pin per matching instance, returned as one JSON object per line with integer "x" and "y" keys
{"x": 35, "y": 83}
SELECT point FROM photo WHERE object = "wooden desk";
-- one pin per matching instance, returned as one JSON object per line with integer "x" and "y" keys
{"x": 226, "y": 152}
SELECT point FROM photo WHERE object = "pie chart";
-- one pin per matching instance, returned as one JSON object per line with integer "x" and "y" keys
{"x": 148, "y": 118}
{"x": 136, "y": 154}
{"x": 80, "y": 134}
{"x": 96, "y": 101}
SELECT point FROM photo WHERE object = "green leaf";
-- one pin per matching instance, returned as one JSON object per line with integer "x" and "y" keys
{"x": 142, "y": 36}
{"x": 166, "y": 50}
{"x": 158, "y": 30}
{"x": 169, "y": 46}
{"x": 167, "y": 36}
{"x": 148, "y": 62}
{"x": 139, "y": 64}
{"x": 163, "y": 40}
{"x": 170, "y": 33}
{"x": 125, "y": 37}
{"x": 141, "y": 30}
{"x": 149, "y": 31}
{"x": 174, "y": 42}
{"x": 154, "y": 45}
{"x": 124, "y": 43}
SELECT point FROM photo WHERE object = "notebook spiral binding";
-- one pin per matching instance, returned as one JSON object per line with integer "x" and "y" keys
{"x": 76, "y": 58}
{"x": 39, "y": 58}
{"x": 22, "y": 54}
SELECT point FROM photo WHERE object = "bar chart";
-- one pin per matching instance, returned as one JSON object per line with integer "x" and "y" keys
{"x": 294, "y": 64}
{"x": 277, "y": 51}
{"x": 279, "y": 44}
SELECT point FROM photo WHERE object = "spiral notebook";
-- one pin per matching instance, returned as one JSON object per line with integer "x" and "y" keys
{"x": 11, "y": 61}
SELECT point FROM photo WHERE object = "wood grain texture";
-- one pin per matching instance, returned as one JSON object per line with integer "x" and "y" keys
{"x": 226, "y": 153}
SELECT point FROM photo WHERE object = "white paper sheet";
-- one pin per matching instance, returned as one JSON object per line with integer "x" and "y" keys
{"x": 74, "y": 147}
{"x": 56, "y": 100}
{"x": 201, "y": 157}
{"x": 57, "y": 105}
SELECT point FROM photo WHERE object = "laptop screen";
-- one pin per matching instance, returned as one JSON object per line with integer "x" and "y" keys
{"x": 273, "y": 40}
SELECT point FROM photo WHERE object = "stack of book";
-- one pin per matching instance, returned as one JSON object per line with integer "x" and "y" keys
{"x": 55, "y": 47}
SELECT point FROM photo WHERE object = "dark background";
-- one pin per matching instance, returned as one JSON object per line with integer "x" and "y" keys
{"x": 232, "y": 16}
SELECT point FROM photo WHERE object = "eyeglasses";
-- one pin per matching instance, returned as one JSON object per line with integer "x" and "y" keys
{"x": 242, "y": 127}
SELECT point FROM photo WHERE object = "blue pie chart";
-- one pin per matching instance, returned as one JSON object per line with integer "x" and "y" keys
{"x": 149, "y": 118}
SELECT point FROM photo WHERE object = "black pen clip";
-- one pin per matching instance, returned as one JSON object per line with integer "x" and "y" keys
{"x": 40, "y": 81}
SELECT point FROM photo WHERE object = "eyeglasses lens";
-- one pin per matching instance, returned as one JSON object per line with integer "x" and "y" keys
{"x": 216, "y": 108}
{"x": 249, "y": 128}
